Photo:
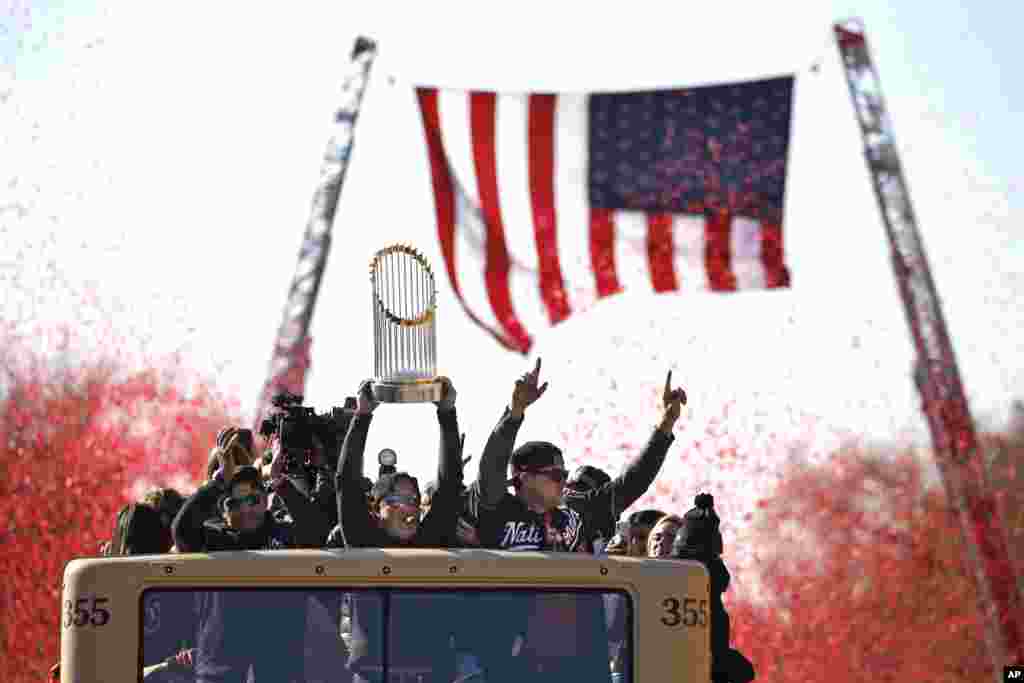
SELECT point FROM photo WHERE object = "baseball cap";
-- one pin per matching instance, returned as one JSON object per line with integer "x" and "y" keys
{"x": 536, "y": 455}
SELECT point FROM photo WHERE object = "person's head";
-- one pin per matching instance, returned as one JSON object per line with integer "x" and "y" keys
{"x": 699, "y": 536}
{"x": 587, "y": 478}
{"x": 139, "y": 531}
{"x": 659, "y": 543}
{"x": 538, "y": 474}
{"x": 638, "y": 529}
{"x": 583, "y": 480}
{"x": 244, "y": 506}
{"x": 396, "y": 500}
{"x": 167, "y": 502}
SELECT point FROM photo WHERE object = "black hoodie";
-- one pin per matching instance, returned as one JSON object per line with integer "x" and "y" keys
{"x": 194, "y": 532}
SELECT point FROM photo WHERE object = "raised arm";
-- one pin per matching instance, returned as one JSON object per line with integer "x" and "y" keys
{"x": 310, "y": 526}
{"x": 439, "y": 523}
{"x": 640, "y": 472}
{"x": 353, "y": 512}
{"x": 449, "y": 461}
{"x": 493, "y": 470}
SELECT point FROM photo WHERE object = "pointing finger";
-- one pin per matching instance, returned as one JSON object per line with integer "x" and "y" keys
{"x": 668, "y": 384}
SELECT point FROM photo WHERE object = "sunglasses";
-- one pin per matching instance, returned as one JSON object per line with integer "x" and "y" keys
{"x": 235, "y": 503}
{"x": 554, "y": 474}
{"x": 396, "y": 500}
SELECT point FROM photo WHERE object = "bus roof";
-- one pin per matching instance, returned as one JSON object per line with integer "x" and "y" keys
{"x": 382, "y": 565}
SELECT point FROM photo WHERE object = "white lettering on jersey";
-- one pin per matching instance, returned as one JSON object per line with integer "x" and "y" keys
{"x": 519, "y": 534}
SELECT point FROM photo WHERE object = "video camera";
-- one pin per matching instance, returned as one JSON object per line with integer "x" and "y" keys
{"x": 295, "y": 426}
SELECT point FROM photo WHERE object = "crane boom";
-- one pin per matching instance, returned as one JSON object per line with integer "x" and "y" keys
{"x": 289, "y": 359}
{"x": 944, "y": 402}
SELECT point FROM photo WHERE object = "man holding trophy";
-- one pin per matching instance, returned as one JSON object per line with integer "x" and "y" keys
{"x": 405, "y": 371}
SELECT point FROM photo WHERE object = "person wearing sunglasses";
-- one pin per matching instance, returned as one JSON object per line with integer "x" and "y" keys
{"x": 555, "y": 633}
{"x": 419, "y": 643}
{"x": 229, "y": 641}
{"x": 243, "y": 521}
{"x": 395, "y": 516}
{"x": 544, "y": 513}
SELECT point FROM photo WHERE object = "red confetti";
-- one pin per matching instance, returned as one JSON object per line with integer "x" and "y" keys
{"x": 68, "y": 459}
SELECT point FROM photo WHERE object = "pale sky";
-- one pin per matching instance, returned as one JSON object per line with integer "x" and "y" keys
{"x": 161, "y": 157}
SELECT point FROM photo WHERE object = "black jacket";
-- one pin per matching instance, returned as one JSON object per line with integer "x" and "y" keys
{"x": 600, "y": 507}
{"x": 720, "y": 622}
{"x": 504, "y": 522}
{"x": 194, "y": 532}
{"x": 418, "y": 634}
{"x": 317, "y": 487}
{"x": 358, "y": 526}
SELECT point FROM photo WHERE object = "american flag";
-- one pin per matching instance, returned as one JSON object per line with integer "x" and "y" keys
{"x": 547, "y": 203}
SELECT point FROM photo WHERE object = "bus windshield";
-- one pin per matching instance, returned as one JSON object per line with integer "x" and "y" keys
{"x": 412, "y": 635}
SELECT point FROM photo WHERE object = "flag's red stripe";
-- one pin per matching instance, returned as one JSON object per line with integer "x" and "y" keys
{"x": 660, "y": 251}
{"x": 717, "y": 250}
{"x": 482, "y": 123}
{"x": 541, "y": 134}
{"x": 602, "y": 252}
{"x": 444, "y": 197}
{"x": 773, "y": 256}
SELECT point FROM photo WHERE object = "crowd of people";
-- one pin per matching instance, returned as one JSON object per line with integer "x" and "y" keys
{"x": 523, "y": 499}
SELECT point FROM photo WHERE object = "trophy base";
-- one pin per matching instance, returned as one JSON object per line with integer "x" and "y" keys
{"x": 417, "y": 391}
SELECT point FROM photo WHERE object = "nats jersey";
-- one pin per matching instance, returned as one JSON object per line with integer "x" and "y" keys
{"x": 513, "y": 526}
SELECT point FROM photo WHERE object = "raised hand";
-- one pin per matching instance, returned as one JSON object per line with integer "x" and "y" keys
{"x": 672, "y": 402}
{"x": 365, "y": 402}
{"x": 527, "y": 391}
{"x": 448, "y": 394}
{"x": 228, "y": 457}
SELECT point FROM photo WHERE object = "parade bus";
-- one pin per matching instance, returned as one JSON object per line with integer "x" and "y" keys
{"x": 457, "y": 616}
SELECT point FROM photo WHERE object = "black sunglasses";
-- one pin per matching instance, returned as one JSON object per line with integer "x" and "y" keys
{"x": 235, "y": 503}
{"x": 555, "y": 475}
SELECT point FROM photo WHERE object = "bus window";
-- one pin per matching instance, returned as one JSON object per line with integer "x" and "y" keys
{"x": 476, "y": 635}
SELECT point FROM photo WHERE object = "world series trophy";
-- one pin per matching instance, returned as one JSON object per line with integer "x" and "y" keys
{"x": 404, "y": 300}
